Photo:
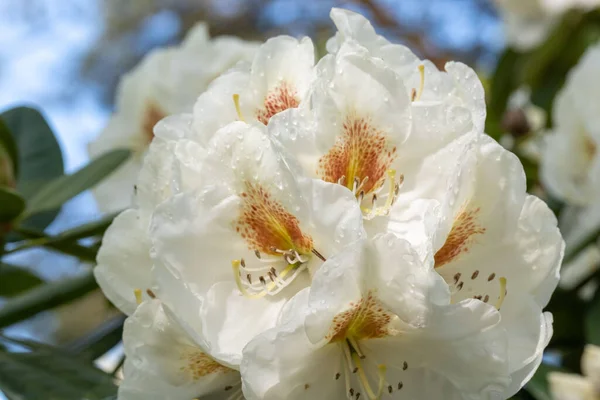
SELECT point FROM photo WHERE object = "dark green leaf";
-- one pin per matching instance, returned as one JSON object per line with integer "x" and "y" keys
{"x": 11, "y": 204}
{"x": 99, "y": 341}
{"x": 47, "y": 373}
{"x": 40, "y": 158}
{"x": 568, "y": 313}
{"x": 592, "y": 321}
{"x": 46, "y": 297}
{"x": 15, "y": 280}
{"x": 58, "y": 191}
{"x": 84, "y": 253}
{"x": 8, "y": 143}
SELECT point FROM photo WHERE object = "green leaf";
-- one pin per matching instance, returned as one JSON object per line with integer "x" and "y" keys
{"x": 568, "y": 313}
{"x": 12, "y": 204}
{"x": 84, "y": 253}
{"x": 16, "y": 280}
{"x": 49, "y": 373}
{"x": 46, "y": 297}
{"x": 592, "y": 321}
{"x": 56, "y": 193}
{"x": 504, "y": 81}
{"x": 39, "y": 156}
{"x": 100, "y": 340}
{"x": 7, "y": 142}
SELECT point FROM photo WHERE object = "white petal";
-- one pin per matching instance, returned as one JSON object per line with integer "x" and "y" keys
{"x": 124, "y": 260}
{"x": 163, "y": 362}
{"x": 283, "y": 66}
{"x": 232, "y": 320}
{"x": 283, "y": 364}
{"x": 461, "y": 349}
{"x": 215, "y": 107}
{"x": 405, "y": 285}
{"x": 522, "y": 376}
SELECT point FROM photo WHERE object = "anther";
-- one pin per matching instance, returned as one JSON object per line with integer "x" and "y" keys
{"x": 319, "y": 255}
{"x": 150, "y": 294}
{"x": 257, "y": 254}
{"x": 422, "y": 83}
{"x": 502, "y": 292}
{"x": 243, "y": 263}
{"x": 138, "y": 296}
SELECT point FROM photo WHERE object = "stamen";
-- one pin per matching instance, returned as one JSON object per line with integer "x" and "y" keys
{"x": 502, "y": 292}
{"x": 381, "y": 370}
{"x": 363, "y": 378}
{"x": 235, "y": 264}
{"x": 150, "y": 294}
{"x": 355, "y": 346}
{"x": 422, "y": 84}
{"x": 138, "y": 296}
{"x": 263, "y": 288}
{"x": 348, "y": 364}
{"x": 319, "y": 255}
{"x": 392, "y": 194}
{"x": 238, "y": 110}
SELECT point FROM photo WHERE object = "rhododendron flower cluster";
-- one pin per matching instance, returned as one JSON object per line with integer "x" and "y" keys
{"x": 332, "y": 229}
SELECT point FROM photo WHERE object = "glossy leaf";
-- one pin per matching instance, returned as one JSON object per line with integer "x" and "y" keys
{"x": 7, "y": 142}
{"x": 57, "y": 192}
{"x": 16, "y": 280}
{"x": 39, "y": 156}
{"x": 592, "y": 321}
{"x": 45, "y": 297}
{"x": 11, "y": 204}
{"x": 49, "y": 373}
{"x": 83, "y": 253}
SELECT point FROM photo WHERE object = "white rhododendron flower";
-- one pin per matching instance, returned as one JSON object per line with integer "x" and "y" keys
{"x": 570, "y": 163}
{"x": 377, "y": 323}
{"x": 529, "y": 22}
{"x": 250, "y": 211}
{"x": 575, "y": 387}
{"x": 496, "y": 243}
{"x": 380, "y": 121}
{"x": 167, "y": 81}
{"x": 165, "y": 362}
{"x": 570, "y": 167}
{"x": 338, "y": 230}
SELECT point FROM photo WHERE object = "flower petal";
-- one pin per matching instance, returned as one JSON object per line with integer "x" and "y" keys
{"x": 124, "y": 260}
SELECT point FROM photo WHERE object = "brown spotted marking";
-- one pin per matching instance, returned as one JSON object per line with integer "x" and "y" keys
{"x": 266, "y": 225}
{"x": 463, "y": 233}
{"x": 590, "y": 147}
{"x": 361, "y": 151}
{"x": 152, "y": 114}
{"x": 199, "y": 364}
{"x": 366, "y": 319}
{"x": 277, "y": 100}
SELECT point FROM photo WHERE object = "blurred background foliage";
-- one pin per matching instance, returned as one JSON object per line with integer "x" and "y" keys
{"x": 66, "y": 57}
